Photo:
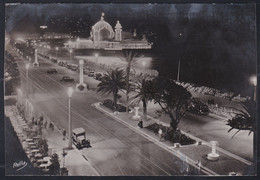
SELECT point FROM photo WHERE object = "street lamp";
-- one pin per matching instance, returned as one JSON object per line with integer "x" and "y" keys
{"x": 253, "y": 81}
{"x": 96, "y": 55}
{"x": 20, "y": 94}
{"x": 70, "y": 53}
{"x": 143, "y": 65}
{"x": 70, "y": 91}
{"x": 27, "y": 69}
{"x": 64, "y": 153}
{"x": 57, "y": 49}
{"x": 178, "y": 73}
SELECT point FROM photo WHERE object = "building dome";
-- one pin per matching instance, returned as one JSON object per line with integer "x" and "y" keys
{"x": 102, "y": 30}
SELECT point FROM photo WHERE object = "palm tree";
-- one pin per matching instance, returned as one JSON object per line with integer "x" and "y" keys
{"x": 130, "y": 58}
{"x": 246, "y": 120}
{"x": 144, "y": 94}
{"x": 112, "y": 82}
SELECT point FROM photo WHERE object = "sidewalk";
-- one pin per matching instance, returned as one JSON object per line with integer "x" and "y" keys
{"x": 195, "y": 155}
{"x": 74, "y": 161}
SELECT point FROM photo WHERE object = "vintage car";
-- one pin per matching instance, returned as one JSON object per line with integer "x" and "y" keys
{"x": 52, "y": 71}
{"x": 79, "y": 138}
{"x": 198, "y": 107}
{"x": 67, "y": 79}
{"x": 44, "y": 164}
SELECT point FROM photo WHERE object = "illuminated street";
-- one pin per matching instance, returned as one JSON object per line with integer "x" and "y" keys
{"x": 112, "y": 95}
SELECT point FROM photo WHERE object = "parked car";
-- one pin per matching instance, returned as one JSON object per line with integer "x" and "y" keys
{"x": 98, "y": 76}
{"x": 74, "y": 67}
{"x": 45, "y": 164}
{"x": 52, "y": 71}
{"x": 91, "y": 74}
{"x": 54, "y": 60}
{"x": 198, "y": 107}
{"x": 79, "y": 138}
{"x": 62, "y": 63}
{"x": 67, "y": 79}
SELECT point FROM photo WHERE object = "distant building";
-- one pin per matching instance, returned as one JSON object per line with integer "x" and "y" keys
{"x": 48, "y": 35}
{"x": 103, "y": 36}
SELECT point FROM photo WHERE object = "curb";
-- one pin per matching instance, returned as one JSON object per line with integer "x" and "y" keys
{"x": 165, "y": 147}
{"x": 209, "y": 145}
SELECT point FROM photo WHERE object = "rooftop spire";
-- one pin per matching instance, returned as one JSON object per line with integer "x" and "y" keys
{"x": 102, "y": 16}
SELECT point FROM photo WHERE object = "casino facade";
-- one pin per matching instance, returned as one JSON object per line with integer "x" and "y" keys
{"x": 104, "y": 36}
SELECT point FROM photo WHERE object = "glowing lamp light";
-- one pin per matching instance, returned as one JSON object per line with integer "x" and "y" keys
{"x": 57, "y": 48}
{"x": 43, "y": 27}
{"x": 71, "y": 51}
{"x": 253, "y": 80}
{"x": 70, "y": 91}
{"x": 96, "y": 55}
{"x": 143, "y": 63}
{"x": 27, "y": 66}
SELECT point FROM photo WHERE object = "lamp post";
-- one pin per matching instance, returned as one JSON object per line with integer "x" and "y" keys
{"x": 64, "y": 153}
{"x": 178, "y": 74}
{"x": 27, "y": 89}
{"x": 70, "y": 53}
{"x": 20, "y": 94}
{"x": 70, "y": 91}
{"x": 143, "y": 65}
{"x": 253, "y": 81}
{"x": 96, "y": 55}
{"x": 57, "y": 49}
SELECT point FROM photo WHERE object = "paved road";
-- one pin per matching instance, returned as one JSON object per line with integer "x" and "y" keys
{"x": 214, "y": 128}
{"x": 116, "y": 150}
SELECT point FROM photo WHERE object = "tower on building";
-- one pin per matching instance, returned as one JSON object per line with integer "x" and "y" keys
{"x": 118, "y": 31}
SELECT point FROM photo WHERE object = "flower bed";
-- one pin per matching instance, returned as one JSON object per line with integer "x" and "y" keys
{"x": 110, "y": 104}
{"x": 169, "y": 135}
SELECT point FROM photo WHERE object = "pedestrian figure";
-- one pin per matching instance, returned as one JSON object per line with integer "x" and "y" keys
{"x": 140, "y": 124}
{"x": 45, "y": 125}
{"x": 64, "y": 134}
{"x": 160, "y": 134}
{"x": 51, "y": 126}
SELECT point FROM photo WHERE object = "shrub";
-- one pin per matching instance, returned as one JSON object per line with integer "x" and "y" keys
{"x": 81, "y": 87}
{"x": 110, "y": 104}
{"x": 55, "y": 165}
{"x": 171, "y": 135}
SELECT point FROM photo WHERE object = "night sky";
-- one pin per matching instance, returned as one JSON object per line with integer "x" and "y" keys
{"x": 215, "y": 43}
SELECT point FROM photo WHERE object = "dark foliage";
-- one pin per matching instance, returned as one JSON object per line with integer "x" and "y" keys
{"x": 110, "y": 104}
{"x": 145, "y": 93}
{"x": 172, "y": 98}
{"x": 112, "y": 82}
{"x": 171, "y": 135}
{"x": 12, "y": 75}
{"x": 55, "y": 165}
{"x": 245, "y": 119}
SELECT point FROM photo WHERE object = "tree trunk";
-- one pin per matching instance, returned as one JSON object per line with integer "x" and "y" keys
{"x": 174, "y": 123}
{"x": 144, "y": 109}
{"x": 115, "y": 101}
{"x": 127, "y": 87}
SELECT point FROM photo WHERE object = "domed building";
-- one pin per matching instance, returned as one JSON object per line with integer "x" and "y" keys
{"x": 103, "y": 36}
{"x": 102, "y": 31}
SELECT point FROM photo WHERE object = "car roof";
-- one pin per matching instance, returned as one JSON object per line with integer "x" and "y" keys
{"x": 47, "y": 158}
{"x": 79, "y": 130}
